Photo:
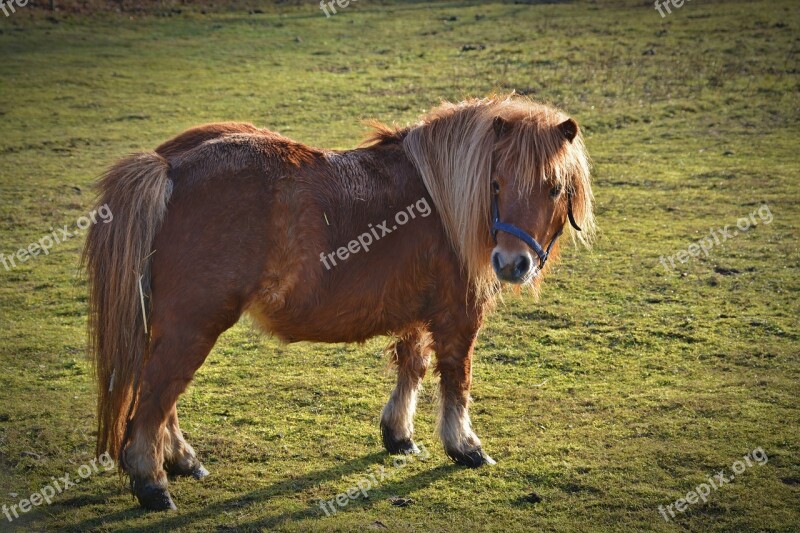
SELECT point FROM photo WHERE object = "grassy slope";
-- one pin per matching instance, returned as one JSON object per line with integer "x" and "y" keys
{"x": 621, "y": 389}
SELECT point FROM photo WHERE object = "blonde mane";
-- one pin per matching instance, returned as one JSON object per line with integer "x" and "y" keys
{"x": 453, "y": 148}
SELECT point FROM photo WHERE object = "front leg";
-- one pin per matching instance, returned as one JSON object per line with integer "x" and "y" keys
{"x": 454, "y": 340}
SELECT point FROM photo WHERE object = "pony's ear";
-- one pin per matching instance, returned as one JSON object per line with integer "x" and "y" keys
{"x": 500, "y": 126}
{"x": 569, "y": 129}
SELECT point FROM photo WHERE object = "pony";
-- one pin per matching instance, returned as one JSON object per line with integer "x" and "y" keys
{"x": 228, "y": 218}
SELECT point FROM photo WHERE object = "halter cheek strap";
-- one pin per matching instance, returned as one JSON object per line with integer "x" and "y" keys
{"x": 520, "y": 234}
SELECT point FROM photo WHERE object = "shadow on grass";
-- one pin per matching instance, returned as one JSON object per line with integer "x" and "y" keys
{"x": 417, "y": 481}
{"x": 284, "y": 487}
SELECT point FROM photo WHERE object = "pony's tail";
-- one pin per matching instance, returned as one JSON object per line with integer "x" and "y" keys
{"x": 134, "y": 193}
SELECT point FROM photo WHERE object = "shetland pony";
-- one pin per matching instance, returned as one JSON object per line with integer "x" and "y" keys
{"x": 229, "y": 218}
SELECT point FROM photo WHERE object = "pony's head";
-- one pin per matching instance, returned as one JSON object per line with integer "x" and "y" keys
{"x": 507, "y": 175}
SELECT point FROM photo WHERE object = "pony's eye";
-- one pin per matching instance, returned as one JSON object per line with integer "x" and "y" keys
{"x": 555, "y": 191}
{"x": 495, "y": 187}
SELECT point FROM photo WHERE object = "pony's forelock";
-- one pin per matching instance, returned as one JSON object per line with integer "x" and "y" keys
{"x": 453, "y": 148}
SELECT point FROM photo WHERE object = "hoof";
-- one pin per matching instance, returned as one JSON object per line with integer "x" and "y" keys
{"x": 472, "y": 458}
{"x": 397, "y": 446}
{"x": 153, "y": 497}
{"x": 197, "y": 471}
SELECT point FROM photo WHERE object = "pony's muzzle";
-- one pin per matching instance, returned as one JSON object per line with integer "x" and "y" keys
{"x": 513, "y": 267}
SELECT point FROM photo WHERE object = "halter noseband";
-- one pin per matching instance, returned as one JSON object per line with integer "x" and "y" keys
{"x": 521, "y": 234}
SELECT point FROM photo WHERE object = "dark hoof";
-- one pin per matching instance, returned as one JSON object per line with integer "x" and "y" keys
{"x": 197, "y": 471}
{"x": 153, "y": 497}
{"x": 472, "y": 459}
{"x": 397, "y": 446}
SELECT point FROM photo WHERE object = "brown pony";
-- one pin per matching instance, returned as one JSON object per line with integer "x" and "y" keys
{"x": 229, "y": 218}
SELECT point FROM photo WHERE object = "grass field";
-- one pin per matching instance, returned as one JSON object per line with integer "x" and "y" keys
{"x": 628, "y": 383}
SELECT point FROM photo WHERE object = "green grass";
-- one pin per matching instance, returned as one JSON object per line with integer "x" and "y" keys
{"x": 623, "y": 388}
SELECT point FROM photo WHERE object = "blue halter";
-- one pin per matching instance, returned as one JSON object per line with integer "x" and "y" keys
{"x": 522, "y": 235}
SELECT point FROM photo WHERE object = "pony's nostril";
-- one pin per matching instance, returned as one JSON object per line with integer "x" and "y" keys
{"x": 523, "y": 264}
{"x": 496, "y": 261}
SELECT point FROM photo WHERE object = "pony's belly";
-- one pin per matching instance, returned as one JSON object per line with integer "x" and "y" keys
{"x": 349, "y": 313}
{"x": 324, "y": 325}
{"x": 373, "y": 294}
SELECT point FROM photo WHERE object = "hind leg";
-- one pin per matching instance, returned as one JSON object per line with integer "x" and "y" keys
{"x": 411, "y": 356}
{"x": 179, "y": 456}
{"x": 177, "y": 352}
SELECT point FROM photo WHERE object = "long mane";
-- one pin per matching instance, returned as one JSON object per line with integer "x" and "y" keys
{"x": 453, "y": 148}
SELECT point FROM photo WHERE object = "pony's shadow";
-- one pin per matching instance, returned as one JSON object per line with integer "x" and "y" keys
{"x": 286, "y": 486}
{"x": 417, "y": 481}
